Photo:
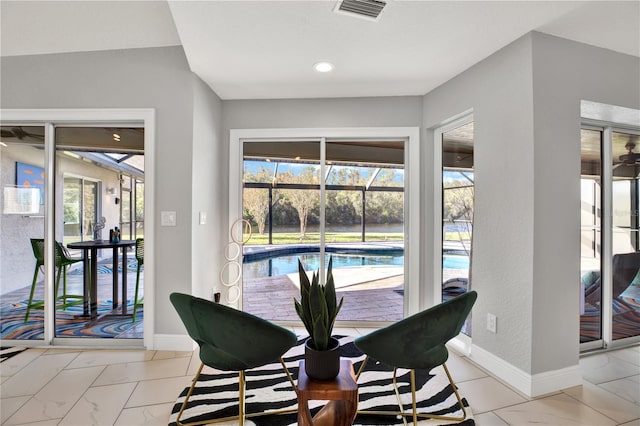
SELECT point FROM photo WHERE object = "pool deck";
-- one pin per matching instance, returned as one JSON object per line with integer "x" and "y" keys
{"x": 371, "y": 293}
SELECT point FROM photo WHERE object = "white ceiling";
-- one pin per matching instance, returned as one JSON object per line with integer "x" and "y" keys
{"x": 266, "y": 49}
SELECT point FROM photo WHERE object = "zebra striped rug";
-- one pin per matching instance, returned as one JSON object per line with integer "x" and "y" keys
{"x": 215, "y": 395}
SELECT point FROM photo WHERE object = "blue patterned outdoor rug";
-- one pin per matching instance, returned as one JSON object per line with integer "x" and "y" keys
{"x": 12, "y": 325}
{"x": 215, "y": 395}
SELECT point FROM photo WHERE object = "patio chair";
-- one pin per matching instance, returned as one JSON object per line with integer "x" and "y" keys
{"x": 230, "y": 340}
{"x": 140, "y": 260}
{"x": 418, "y": 342}
{"x": 63, "y": 260}
{"x": 625, "y": 267}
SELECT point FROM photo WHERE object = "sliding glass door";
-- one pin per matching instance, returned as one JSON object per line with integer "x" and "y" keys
{"x": 61, "y": 185}
{"x": 610, "y": 249}
{"x": 312, "y": 200}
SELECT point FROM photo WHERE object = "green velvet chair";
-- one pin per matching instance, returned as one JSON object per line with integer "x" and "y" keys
{"x": 137, "y": 303}
{"x": 230, "y": 340}
{"x": 63, "y": 260}
{"x": 418, "y": 342}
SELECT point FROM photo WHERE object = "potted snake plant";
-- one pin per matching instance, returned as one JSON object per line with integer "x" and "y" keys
{"x": 318, "y": 309}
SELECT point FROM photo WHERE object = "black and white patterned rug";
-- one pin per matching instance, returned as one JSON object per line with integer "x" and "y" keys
{"x": 8, "y": 352}
{"x": 216, "y": 393}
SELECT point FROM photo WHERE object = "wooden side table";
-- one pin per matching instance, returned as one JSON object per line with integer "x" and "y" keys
{"x": 341, "y": 392}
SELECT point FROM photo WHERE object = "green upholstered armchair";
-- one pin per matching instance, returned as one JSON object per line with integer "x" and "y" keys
{"x": 418, "y": 342}
{"x": 230, "y": 340}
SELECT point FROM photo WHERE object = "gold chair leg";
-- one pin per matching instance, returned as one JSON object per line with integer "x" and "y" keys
{"x": 361, "y": 369}
{"x": 242, "y": 415}
{"x": 193, "y": 386}
{"x": 414, "y": 413}
{"x": 413, "y": 397}
{"x": 241, "y": 390}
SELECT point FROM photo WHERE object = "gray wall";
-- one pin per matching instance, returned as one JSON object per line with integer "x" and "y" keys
{"x": 500, "y": 92}
{"x": 209, "y": 183}
{"x": 565, "y": 72}
{"x": 137, "y": 78}
{"x": 526, "y": 103}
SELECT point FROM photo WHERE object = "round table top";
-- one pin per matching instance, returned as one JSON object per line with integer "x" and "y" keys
{"x": 100, "y": 244}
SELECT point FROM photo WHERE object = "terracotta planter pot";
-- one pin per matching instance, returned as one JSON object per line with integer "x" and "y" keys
{"x": 322, "y": 365}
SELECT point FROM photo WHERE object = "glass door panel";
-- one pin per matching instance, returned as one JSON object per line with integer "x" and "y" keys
{"x": 625, "y": 264}
{"x": 281, "y": 201}
{"x": 457, "y": 212}
{"x": 364, "y": 218}
{"x": 590, "y": 236}
{"x": 22, "y": 280}
{"x": 90, "y": 162}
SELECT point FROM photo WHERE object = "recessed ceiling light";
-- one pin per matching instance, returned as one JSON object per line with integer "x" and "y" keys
{"x": 323, "y": 66}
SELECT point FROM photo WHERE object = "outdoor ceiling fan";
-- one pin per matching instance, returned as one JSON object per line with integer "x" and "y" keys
{"x": 630, "y": 158}
{"x": 18, "y": 133}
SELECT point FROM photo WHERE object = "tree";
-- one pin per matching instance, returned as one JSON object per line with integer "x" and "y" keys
{"x": 458, "y": 206}
{"x": 302, "y": 200}
{"x": 256, "y": 204}
{"x": 255, "y": 201}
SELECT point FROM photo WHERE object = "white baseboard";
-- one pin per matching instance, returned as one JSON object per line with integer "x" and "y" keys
{"x": 530, "y": 385}
{"x": 173, "y": 342}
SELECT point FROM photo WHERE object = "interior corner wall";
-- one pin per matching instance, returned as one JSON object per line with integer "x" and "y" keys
{"x": 156, "y": 78}
{"x": 209, "y": 182}
{"x": 499, "y": 90}
{"x": 564, "y": 73}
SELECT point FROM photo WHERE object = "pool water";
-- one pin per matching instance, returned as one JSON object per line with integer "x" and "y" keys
{"x": 288, "y": 264}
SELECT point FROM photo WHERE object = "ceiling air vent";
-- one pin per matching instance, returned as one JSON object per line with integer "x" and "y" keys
{"x": 366, "y": 9}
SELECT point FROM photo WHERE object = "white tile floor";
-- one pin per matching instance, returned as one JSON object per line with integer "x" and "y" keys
{"x": 128, "y": 387}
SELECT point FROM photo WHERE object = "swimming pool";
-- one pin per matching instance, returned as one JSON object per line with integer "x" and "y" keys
{"x": 288, "y": 263}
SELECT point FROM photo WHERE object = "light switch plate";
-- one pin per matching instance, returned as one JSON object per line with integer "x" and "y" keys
{"x": 203, "y": 218}
{"x": 167, "y": 218}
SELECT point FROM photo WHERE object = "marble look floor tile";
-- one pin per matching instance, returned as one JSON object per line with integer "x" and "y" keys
{"x": 18, "y": 362}
{"x": 100, "y": 405}
{"x": 603, "y": 368}
{"x": 57, "y": 397}
{"x": 631, "y": 355}
{"x": 149, "y": 370}
{"x": 488, "y": 394}
{"x": 627, "y": 388}
{"x": 194, "y": 364}
{"x": 462, "y": 370}
{"x": 49, "y": 422}
{"x": 151, "y": 415}
{"x": 489, "y": 419}
{"x": 632, "y": 423}
{"x": 605, "y": 402}
{"x": 8, "y": 406}
{"x": 554, "y": 410}
{"x": 108, "y": 357}
{"x": 150, "y": 392}
{"x": 171, "y": 354}
{"x": 28, "y": 381}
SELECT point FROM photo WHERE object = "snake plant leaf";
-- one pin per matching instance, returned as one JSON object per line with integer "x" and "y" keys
{"x": 320, "y": 336}
{"x": 330, "y": 291}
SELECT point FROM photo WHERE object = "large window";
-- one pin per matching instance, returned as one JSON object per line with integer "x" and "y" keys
{"x": 457, "y": 211}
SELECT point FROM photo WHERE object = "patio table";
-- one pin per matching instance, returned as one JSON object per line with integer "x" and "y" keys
{"x": 90, "y": 274}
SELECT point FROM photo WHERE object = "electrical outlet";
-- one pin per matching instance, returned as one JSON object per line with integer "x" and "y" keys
{"x": 492, "y": 323}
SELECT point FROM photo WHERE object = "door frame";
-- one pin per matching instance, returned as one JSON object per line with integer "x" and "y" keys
{"x": 50, "y": 118}
{"x": 411, "y": 188}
